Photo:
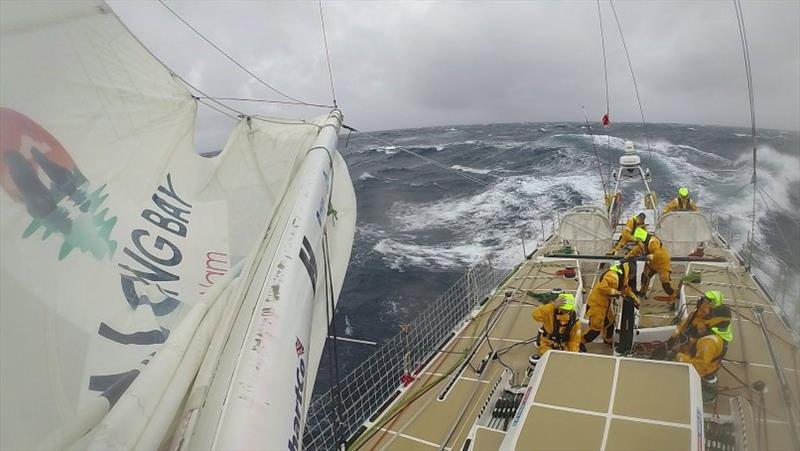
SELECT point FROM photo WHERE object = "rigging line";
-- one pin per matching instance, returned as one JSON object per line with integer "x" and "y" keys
{"x": 230, "y": 58}
{"x": 633, "y": 77}
{"x": 333, "y": 357}
{"x": 204, "y": 95}
{"x": 435, "y": 163}
{"x": 169, "y": 69}
{"x": 458, "y": 173}
{"x": 605, "y": 78}
{"x": 748, "y": 72}
{"x": 793, "y": 256}
{"x": 594, "y": 148}
{"x": 327, "y": 53}
{"x": 782, "y": 209}
{"x": 280, "y": 102}
{"x": 216, "y": 109}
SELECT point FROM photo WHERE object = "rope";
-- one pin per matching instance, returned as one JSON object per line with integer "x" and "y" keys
{"x": 793, "y": 216}
{"x": 174, "y": 74}
{"x": 436, "y": 163}
{"x": 230, "y": 58}
{"x": 746, "y": 56}
{"x": 594, "y": 148}
{"x": 605, "y": 78}
{"x": 327, "y": 54}
{"x": 333, "y": 356}
{"x": 280, "y": 102}
{"x": 199, "y": 99}
{"x": 633, "y": 77}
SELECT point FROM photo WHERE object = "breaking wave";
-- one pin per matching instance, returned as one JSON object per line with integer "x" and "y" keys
{"x": 458, "y": 167}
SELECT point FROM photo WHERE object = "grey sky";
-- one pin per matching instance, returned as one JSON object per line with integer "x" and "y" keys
{"x": 410, "y": 64}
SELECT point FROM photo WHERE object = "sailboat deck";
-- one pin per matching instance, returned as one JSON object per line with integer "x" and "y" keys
{"x": 439, "y": 412}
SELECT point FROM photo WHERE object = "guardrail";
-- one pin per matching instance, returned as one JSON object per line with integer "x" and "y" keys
{"x": 335, "y": 417}
{"x": 781, "y": 282}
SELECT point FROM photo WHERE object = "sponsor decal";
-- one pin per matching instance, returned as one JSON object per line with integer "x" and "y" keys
{"x": 522, "y": 405}
{"x": 216, "y": 266}
{"x": 701, "y": 444}
{"x": 38, "y": 172}
{"x": 310, "y": 263}
{"x": 299, "y": 393}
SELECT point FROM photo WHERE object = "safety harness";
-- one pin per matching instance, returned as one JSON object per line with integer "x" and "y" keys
{"x": 561, "y": 338}
{"x": 722, "y": 311}
{"x": 684, "y": 202}
{"x": 650, "y": 236}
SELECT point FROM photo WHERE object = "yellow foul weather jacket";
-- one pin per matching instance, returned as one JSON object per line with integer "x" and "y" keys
{"x": 627, "y": 234}
{"x": 568, "y": 335}
{"x": 680, "y": 204}
{"x": 599, "y": 311}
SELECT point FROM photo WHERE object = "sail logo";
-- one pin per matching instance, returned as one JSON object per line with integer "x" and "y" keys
{"x": 216, "y": 265}
{"x": 38, "y": 172}
{"x": 299, "y": 392}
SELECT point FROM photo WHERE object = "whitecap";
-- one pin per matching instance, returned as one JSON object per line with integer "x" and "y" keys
{"x": 397, "y": 255}
{"x": 458, "y": 167}
{"x": 366, "y": 176}
{"x": 388, "y": 150}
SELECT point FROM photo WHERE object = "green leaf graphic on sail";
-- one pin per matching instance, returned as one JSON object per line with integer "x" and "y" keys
{"x": 37, "y": 171}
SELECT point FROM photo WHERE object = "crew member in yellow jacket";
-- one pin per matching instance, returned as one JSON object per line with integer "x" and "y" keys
{"x": 658, "y": 261}
{"x": 627, "y": 232}
{"x": 613, "y": 282}
{"x": 705, "y": 335}
{"x": 681, "y": 203}
{"x": 560, "y": 329}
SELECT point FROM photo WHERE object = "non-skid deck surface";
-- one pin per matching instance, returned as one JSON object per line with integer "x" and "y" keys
{"x": 748, "y": 359}
{"x": 427, "y": 422}
{"x": 608, "y": 407}
{"x": 431, "y": 421}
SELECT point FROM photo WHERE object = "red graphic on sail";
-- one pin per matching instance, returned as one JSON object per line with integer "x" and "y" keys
{"x": 605, "y": 120}
{"x": 37, "y": 171}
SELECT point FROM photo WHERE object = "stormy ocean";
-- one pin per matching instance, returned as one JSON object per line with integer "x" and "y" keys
{"x": 420, "y": 227}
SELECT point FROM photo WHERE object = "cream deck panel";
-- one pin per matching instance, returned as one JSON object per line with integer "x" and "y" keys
{"x": 549, "y": 429}
{"x": 661, "y": 395}
{"x": 624, "y": 435}
{"x": 487, "y": 439}
{"x": 567, "y": 385}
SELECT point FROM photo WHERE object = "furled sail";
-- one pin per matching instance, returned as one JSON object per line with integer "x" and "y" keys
{"x": 147, "y": 291}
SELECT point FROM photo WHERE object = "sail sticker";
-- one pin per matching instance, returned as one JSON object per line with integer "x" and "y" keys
{"x": 113, "y": 386}
{"x": 217, "y": 264}
{"x": 700, "y": 441}
{"x": 38, "y": 172}
{"x": 299, "y": 393}
{"x": 522, "y": 406}
{"x": 310, "y": 262}
{"x": 150, "y": 337}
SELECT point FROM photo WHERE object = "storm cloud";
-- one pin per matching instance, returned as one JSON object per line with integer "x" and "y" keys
{"x": 412, "y": 64}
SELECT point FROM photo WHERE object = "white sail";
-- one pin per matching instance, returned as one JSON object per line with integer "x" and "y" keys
{"x": 127, "y": 260}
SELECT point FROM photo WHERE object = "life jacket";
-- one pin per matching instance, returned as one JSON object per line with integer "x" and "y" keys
{"x": 620, "y": 277}
{"x": 562, "y": 338}
{"x": 632, "y": 224}
{"x": 647, "y": 240}
{"x": 723, "y": 312}
{"x": 684, "y": 203}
